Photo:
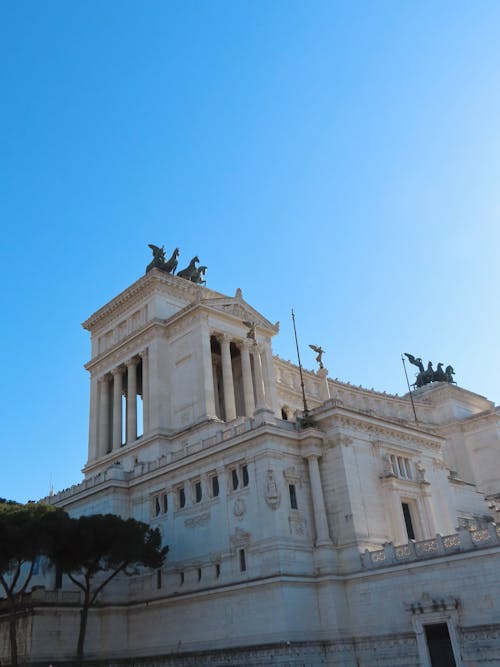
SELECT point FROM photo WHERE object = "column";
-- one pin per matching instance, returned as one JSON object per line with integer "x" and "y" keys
{"x": 131, "y": 401}
{"x": 227, "y": 378}
{"x": 103, "y": 416}
{"x": 145, "y": 392}
{"x": 246, "y": 370}
{"x": 319, "y": 511}
{"x": 271, "y": 394}
{"x": 324, "y": 390}
{"x": 94, "y": 419}
{"x": 429, "y": 511}
{"x": 117, "y": 408}
{"x": 259, "y": 380}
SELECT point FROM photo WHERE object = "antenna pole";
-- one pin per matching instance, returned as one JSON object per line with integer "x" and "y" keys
{"x": 409, "y": 390}
{"x": 306, "y": 411}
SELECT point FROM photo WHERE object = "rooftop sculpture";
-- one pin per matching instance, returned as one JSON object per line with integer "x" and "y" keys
{"x": 428, "y": 375}
{"x": 193, "y": 273}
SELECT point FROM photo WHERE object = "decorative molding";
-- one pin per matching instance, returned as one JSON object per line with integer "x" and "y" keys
{"x": 199, "y": 520}
{"x": 293, "y": 476}
{"x": 239, "y": 508}
{"x": 240, "y": 538}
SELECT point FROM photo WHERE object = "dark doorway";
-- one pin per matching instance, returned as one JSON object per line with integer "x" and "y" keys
{"x": 439, "y": 645}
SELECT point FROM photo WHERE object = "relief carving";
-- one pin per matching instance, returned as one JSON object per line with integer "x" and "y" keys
{"x": 272, "y": 493}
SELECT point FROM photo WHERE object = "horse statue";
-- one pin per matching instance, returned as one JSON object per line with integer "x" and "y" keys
{"x": 198, "y": 276}
{"x": 439, "y": 374}
{"x": 428, "y": 375}
{"x": 171, "y": 265}
{"x": 190, "y": 270}
{"x": 449, "y": 372}
{"x": 159, "y": 259}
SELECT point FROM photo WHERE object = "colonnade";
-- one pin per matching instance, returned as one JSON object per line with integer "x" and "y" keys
{"x": 255, "y": 382}
{"x": 127, "y": 380}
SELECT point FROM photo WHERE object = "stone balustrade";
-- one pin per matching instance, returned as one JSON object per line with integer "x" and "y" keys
{"x": 462, "y": 540}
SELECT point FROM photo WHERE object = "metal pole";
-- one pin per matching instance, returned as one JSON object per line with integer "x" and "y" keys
{"x": 306, "y": 411}
{"x": 409, "y": 390}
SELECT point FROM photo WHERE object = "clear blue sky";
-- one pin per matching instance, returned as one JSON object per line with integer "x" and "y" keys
{"x": 340, "y": 158}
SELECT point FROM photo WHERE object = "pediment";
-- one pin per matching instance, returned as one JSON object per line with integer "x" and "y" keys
{"x": 240, "y": 309}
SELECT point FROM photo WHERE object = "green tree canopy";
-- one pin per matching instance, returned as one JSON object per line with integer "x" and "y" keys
{"x": 101, "y": 546}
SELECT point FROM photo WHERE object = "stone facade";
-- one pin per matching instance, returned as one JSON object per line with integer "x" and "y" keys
{"x": 336, "y": 544}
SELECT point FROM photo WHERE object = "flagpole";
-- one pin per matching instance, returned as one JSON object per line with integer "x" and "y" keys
{"x": 306, "y": 421}
{"x": 409, "y": 390}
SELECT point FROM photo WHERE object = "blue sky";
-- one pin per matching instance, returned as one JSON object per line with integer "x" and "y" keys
{"x": 338, "y": 158}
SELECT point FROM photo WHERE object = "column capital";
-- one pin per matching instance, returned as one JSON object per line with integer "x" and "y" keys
{"x": 132, "y": 362}
{"x": 117, "y": 371}
{"x": 311, "y": 447}
{"x": 226, "y": 338}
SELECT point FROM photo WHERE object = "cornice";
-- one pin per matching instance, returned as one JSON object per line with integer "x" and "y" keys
{"x": 155, "y": 280}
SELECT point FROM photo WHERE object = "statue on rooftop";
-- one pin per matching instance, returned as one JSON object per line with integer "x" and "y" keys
{"x": 190, "y": 270}
{"x": 320, "y": 352}
{"x": 428, "y": 375}
{"x": 198, "y": 276}
{"x": 159, "y": 262}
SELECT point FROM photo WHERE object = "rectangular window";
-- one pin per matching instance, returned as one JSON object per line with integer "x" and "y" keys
{"x": 158, "y": 578}
{"x": 408, "y": 469}
{"x": 199, "y": 574}
{"x": 243, "y": 561}
{"x": 157, "y": 507}
{"x": 165, "y": 503}
{"x": 244, "y": 475}
{"x": 408, "y": 521}
{"x": 293, "y": 496}
{"x": 215, "y": 486}
{"x": 181, "y": 577}
{"x": 217, "y": 570}
{"x": 439, "y": 645}
{"x": 182, "y": 497}
{"x": 234, "y": 478}
{"x": 197, "y": 492}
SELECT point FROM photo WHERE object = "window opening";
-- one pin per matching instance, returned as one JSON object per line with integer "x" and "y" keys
{"x": 181, "y": 577}
{"x": 243, "y": 561}
{"x": 158, "y": 578}
{"x": 165, "y": 503}
{"x": 199, "y": 574}
{"x": 293, "y": 496}
{"x": 124, "y": 418}
{"x": 217, "y": 570}
{"x": 408, "y": 521}
{"x": 197, "y": 492}
{"x": 244, "y": 474}
{"x": 234, "y": 477}
{"x": 215, "y": 486}
{"x": 157, "y": 506}
{"x": 182, "y": 497}
{"x": 439, "y": 645}
{"x": 284, "y": 414}
{"x": 140, "y": 415}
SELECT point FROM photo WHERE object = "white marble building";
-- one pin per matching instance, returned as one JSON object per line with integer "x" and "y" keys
{"x": 367, "y": 539}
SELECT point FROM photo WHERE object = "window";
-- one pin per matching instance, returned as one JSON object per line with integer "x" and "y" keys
{"x": 401, "y": 467}
{"x": 181, "y": 496}
{"x": 197, "y": 492}
{"x": 159, "y": 504}
{"x": 158, "y": 578}
{"x": 199, "y": 574}
{"x": 293, "y": 496}
{"x": 181, "y": 577}
{"x": 408, "y": 521}
{"x": 217, "y": 570}
{"x": 284, "y": 414}
{"x": 239, "y": 477}
{"x": 243, "y": 561}
{"x": 439, "y": 645}
{"x": 215, "y": 486}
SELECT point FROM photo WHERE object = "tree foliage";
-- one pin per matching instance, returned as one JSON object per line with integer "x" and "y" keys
{"x": 25, "y": 534}
{"x": 93, "y": 550}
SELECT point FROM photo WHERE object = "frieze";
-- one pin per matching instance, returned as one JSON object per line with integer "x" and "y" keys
{"x": 199, "y": 520}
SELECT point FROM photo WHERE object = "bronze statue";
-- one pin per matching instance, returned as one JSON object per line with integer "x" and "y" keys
{"x": 190, "y": 270}
{"x": 252, "y": 330}
{"x": 428, "y": 375}
{"x": 320, "y": 352}
{"x": 198, "y": 276}
{"x": 159, "y": 259}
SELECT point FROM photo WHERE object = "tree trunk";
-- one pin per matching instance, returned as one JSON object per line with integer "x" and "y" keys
{"x": 13, "y": 637}
{"x": 84, "y": 612}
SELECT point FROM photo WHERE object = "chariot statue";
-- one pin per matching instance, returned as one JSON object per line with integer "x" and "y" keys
{"x": 428, "y": 375}
{"x": 159, "y": 261}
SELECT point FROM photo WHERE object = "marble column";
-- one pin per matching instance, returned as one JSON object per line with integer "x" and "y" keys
{"x": 145, "y": 392}
{"x": 429, "y": 510}
{"x": 104, "y": 403}
{"x": 319, "y": 511}
{"x": 246, "y": 370}
{"x": 117, "y": 408}
{"x": 227, "y": 378}
{"x": 259, "y": 379}
{"x": 131, "y": 400}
